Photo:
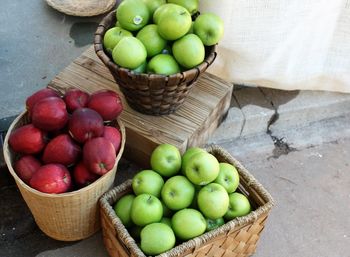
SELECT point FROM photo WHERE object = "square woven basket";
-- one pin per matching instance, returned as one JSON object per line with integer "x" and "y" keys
{"x": 236, "y": 238}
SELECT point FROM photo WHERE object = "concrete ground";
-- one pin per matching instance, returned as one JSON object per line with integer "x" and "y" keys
{"x": 295, "y": 142}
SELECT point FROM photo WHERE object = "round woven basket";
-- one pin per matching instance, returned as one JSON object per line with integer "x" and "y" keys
{"x": 150, "y": 93}
{"x": 82, "y": 8}
{"x": 69, "y": 216}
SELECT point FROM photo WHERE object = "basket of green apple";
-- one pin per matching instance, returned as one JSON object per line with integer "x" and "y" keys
{"x": 156, "y": 50}
{"x": 203, "y": 203}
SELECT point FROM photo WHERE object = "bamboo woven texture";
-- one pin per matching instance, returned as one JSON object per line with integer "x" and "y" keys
{"x": 236, "y": 238}
{"x": 68, "y": 216}
{"x": 83, "y": 8}
{"x": 150, "y": 93}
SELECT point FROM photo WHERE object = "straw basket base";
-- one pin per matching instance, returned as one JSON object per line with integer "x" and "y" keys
{"x": 83, "y": 8}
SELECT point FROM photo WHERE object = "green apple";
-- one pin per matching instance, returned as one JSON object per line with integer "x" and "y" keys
{"x": 117, "y": 24}
{"x": 153, "y": 5}
{"x": 166, "y": 160}
{"x": 187, "y": 155}
{"x": 132, "y": 14}
{"x": 213, "y": 224}
{"x": 141, "y": 68}
{"x": 174, "y": 23}
{"x": 213, "y": 201}
{"x": 123, "y": 208}
{"x": 129, "y": 53}
{"x": 177, "y": 193}
{"x": 228, "y": 177}
{"x": 146, "y": 209}
{"x": 151, "y": 39}
{"x": 239, "y": 205}
{"x": 188, "y": 223}
{"x": 191, "y": 29}
{"x": 160, "y": 11}
{"x": 147, "y": 182}
{"x": 166, "y": 211}
{"x": 209, "y": 27}
{"x": 189, "y": 51}
{"x": 163, "y": 64}
{"x": 202, "y": 168}
{"x": 113, "y": 36}
{"x": 166, "y": 221}
{"x": 157, "y": 238}
{"x": 190, "y": 5}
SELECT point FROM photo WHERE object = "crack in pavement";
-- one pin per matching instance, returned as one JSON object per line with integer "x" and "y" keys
{"x": 282, "y": 147}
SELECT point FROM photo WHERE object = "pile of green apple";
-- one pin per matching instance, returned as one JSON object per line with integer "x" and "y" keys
{"x": 181, "y": 198}
{"x": 159, "y": 36}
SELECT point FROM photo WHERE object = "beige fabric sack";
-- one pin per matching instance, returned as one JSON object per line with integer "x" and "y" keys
{"x": 299, "y": 44}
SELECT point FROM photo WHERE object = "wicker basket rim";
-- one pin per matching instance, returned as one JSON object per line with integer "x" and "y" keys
{"x": 77, "y": 8}
{"x": 200, "y": 240}
{"x": 99, "y": 49}
{"x": 7, "y": 158}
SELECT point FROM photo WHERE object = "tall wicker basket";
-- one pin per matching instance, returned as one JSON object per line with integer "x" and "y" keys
{"x": 236, "y": 238}
{"x": 150, "y": 93}
{"x": 69, "y": 216}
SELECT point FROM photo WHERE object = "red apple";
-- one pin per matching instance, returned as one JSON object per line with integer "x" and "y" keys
{"x": 82, "y": 176}
{"x": 114, "y": 136}
{"x": 50, "y": 114}
{"x": 99, "y": 155}
{"x": 27, "y": 139}
{"x": 107, "y": 103}
{"x": 26, "y": 166}
{"x": 52, "y": 179}
{"x": 61, "y": 149}
{"x": 85, "y": 124}
{"x": 37, "y": 96}
{"x": 75, "y": 99}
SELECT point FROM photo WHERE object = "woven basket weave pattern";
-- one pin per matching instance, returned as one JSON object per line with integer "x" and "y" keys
{"x": 68, "y": 216}
{"x": 150, "y": 93}
{"x": 237, "y": 238}
{"x": 83, "y": 8}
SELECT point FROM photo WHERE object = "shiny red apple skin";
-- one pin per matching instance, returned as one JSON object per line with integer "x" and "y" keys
{"x": 50, "y": 114}
{"x": 114, "y": 136}
{"x": 26, "y": 166}
{"x": 107, "y": 103}
{"x": 75, "y": 99}
{"x": 85, "y": 124}
{"x": 52, "y": 179}
{"x": 99, "y": 155}
{"x": 39, "y": 95}
{"x": 27, "y": 139}
{"x": 63, "y": 150}
{"x": 82, "y": 176}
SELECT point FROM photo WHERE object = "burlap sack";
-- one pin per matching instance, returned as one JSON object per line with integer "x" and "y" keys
{"x": 299, "y": 44}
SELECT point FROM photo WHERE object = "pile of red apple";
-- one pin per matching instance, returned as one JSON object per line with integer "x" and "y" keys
{"x": 69, "y": 141}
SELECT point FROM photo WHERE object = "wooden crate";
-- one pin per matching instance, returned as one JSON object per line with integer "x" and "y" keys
{"x": 190, "y": 125}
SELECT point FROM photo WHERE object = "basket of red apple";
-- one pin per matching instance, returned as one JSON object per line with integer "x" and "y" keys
{"x": 203, "y": 203}
{"x": 63, "y": 153}
{"x": 156, "y": 50}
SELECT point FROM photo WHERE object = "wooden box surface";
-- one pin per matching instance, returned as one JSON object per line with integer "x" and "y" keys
{"x": 190, "y": 125}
